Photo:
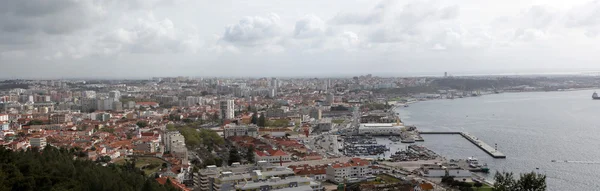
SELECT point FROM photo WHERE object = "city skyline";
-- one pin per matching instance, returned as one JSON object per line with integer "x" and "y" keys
{"x": 141, "y": 39}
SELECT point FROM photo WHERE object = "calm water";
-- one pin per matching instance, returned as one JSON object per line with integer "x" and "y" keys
{"x": 531, "y": 129}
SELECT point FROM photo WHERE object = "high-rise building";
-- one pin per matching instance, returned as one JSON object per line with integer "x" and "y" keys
{"x": 227, "y": 109}
{"x": 329, "y": 99}
{"x": 116, "y": 95}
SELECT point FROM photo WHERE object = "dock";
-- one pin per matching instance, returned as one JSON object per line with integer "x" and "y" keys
{"x": 479, "y": 143}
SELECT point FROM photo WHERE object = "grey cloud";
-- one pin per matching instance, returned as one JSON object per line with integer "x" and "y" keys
{"x": 411, "y": 21}
{"x": 585, "y": 17}
{"x": 252, "y": 31}
{"x": 50, "y": 17}
{"x": 374, "y": 16}
{"x": 309, "y": 26}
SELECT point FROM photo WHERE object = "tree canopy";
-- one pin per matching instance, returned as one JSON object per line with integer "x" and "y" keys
{"x": 206, "y": 137}
{"x": 532, "y": 181}
{"x": 56, "y": 169}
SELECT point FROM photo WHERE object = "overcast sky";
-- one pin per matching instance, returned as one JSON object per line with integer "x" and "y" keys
{"x": 144, "y": 38}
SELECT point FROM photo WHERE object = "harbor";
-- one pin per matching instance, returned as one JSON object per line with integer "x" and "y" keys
{"x": 492, "y": 151}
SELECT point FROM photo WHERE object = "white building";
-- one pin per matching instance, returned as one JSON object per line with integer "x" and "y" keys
{"x": 272, "y": 156}
{"x": 173, "y": 139}
{"x": 3, "y": 117}
{"x": 355, "y": 169}
{"x": 443, "y": 170}
{"x": 230, "y": 130}
{"x": 227, "y": 109}
{"x": 192, "y": 101}
{"x": 116, "y": 95}
{"x": 380, "y": 128}
{"x": 38, "y": 142}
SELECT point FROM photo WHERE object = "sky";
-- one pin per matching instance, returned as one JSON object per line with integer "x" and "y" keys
{"x": 293, "y": 38}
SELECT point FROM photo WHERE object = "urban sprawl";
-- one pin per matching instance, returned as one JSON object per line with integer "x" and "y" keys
{"x": 284, "y": 134}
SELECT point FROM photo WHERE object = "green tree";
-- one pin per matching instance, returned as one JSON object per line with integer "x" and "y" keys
{"x": 504, "y": 181}
{"x": 527, "y": 182}
{"x": 171, "y": 127}
{"x": 142, "y": 124}
{"x": 262, "y": 122}
{"x": 250, "y": 154}
{"x": 254, "y": 119}
{"x": 531, "y": 182}
{"x": 478, "y": 185}
{"x": 234, "y": 156}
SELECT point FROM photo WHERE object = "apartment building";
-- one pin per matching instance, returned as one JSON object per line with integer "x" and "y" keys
{"x": 354, "y": 170}
{"x": 230, "y": 130}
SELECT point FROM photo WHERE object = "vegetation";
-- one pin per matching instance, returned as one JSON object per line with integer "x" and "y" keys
{"x": 337, "y": 121}
{"x": 55, "y": 169}
{"x": 254, "y": 119}
{"x": 527, "y": 182}
{"x": 262, "y": 121}
{"x": 142, "y": 124}
{"x": 278, "y": 123}
{"x": 376, "y": 106}
{"x": 234, "y": 156}
{"x": 206, "y": 137}
{"x": 35, "y": 122}
{"x": 149, "y": 165}
{"x": 250, "y": 154}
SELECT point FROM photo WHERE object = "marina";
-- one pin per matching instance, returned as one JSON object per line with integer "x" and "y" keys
{"x": 492, "y": 151}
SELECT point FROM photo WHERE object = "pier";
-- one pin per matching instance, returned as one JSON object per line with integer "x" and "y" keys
{"x": 479, "y": 143}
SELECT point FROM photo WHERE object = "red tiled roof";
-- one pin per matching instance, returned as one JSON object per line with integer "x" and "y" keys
{"x": 163, "y": 180}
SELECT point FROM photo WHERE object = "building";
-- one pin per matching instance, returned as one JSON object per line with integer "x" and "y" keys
{"x": 435, "y": 170}
{"x": 380, "y": 128}
{"x": 329, "y": 99}
{"x": 315, "y": 113}
{"x": 227, "y": 109}
{"x": 3, "y": 117}
{"x": 323, "y": 125}
{"x": 355, "y": 170}
{"x": 230, "y": 130}
{"x": 272, "y": 156}
{"x": 262, "y": 176}
{"x": 115, "y": 95}
{"x": 193, "y": 101}
{"x": 59, "y": 118}
{"x": 173, "y": 139}
{"x": 39, "y": 142}
{"x": 276, "y": 113}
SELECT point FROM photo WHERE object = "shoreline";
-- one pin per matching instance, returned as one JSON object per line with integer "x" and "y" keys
{"x": 397, "y": 104}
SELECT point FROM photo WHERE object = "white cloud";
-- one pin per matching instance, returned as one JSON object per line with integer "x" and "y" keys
{"x": 253, "y": 31}
{"x": 585, "y": 17}
{"x": 373, "y": 16}
{"x": 309, "y": 26}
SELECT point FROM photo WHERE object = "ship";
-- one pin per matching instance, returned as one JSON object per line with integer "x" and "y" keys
{"x": 595, "y": 96}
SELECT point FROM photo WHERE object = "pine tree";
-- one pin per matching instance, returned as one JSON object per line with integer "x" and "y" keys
{"x": 254, "y": 119}
{"x": 234, "y": 156}
{"x": 262, "y": 121}
{"x": 250, "y": 154}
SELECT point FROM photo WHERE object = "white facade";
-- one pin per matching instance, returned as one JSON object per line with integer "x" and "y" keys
{"x": 240, "y": 130}
{"x": 38, "y": 142}
{"x": 192, "y": 100}
{"x": 116, "y": 95}
{"x": 3, "y": 117}
{"x": 451, "y": 172}
{"x": 227, "y": 109}
{"x": 173, "y": 141}
{"x": 380, "y": 129}
{"x": 351, "y": 170}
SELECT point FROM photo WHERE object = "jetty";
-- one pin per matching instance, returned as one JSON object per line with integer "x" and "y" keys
{"x": 479, "y": 143}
